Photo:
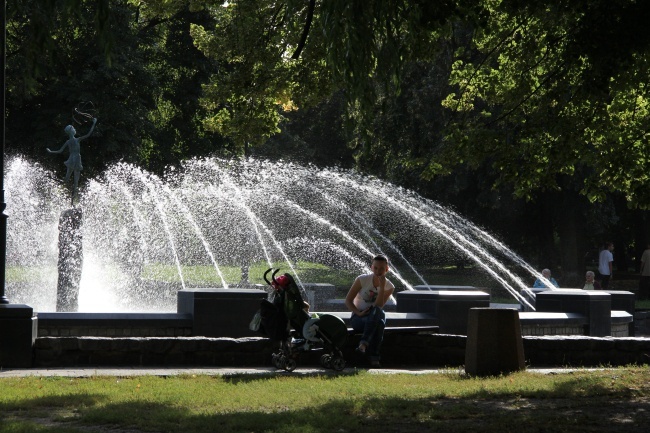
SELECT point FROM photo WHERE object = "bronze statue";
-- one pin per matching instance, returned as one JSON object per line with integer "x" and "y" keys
{"x": 74, "y": 160}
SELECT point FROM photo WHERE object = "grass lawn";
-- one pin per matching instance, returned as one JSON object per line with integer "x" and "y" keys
{"x": 613, "y": 400}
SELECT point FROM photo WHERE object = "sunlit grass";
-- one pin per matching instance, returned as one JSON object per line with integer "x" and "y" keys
{"x": 208, "y": 275}
{"x": 348, "y": 402}
{"x": 24, "y": 274}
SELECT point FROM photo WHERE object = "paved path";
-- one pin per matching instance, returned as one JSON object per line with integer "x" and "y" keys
{"x": 226, "y": 371}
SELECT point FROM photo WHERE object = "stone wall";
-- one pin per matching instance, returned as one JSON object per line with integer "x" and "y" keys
{"x": 114, "y": 325}
{"x": 399, "y": 350}
{"x": 555, "y": 329}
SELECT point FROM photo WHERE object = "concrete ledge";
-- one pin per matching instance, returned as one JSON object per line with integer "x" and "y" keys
{"x": 450, "y": 307}
{"x": 533, "y": 323}
{"x": 398, "y": 350}
{"x": 394, "y": 319}
{"x": 429, "y": 287}
{"x": 110, "y": 319}
{"x": 546, "y": 318}
{"x": 582, "y": 351}
{"x": 596, "y": 305}
{"x": 621, "y": 317}
{"x": 220, "y": 312}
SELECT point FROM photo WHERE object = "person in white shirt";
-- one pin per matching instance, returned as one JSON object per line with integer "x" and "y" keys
{"x": 605, "y": 262}
{"x": 366, "y": 299}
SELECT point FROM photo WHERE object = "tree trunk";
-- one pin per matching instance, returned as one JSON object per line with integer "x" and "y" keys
{"x": 570, "y": 228}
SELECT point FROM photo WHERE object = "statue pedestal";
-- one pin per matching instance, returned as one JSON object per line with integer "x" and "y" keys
{"x": 70, "y": 260}
{"x": 18, "y": 330}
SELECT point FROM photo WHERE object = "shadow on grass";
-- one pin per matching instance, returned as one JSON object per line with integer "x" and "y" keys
{"x": 324, "y": 374}
{"x": 577, "y": 405}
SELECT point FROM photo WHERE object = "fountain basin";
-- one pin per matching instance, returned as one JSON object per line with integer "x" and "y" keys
{"x": 115, "y": 324}
{"x": 220, "y": 312}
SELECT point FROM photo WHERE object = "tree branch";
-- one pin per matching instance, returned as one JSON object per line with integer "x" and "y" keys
{"x": 305, "y": 30}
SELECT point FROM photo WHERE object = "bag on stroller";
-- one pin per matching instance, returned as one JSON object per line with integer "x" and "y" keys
{"x": 286, "y": 318}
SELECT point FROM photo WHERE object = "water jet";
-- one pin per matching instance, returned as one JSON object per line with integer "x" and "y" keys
{"x": 146, "y": 236}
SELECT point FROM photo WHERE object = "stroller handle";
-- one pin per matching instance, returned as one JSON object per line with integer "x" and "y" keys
{"x": 275, "y": 271}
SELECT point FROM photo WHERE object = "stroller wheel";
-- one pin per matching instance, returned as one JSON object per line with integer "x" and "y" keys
{"x": 290, "y": 364}
{"x": 326, "y": 361}
{"x": 337, "y": 363}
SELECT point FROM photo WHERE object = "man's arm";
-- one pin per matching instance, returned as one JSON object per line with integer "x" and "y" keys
{"x": 388, "y": 291}
{"x": 352, "y": 293}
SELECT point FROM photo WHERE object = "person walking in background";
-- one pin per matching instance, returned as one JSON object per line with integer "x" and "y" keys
{"x": 590, "y": 282}
{"x": 605, "y": 264}
{"x": 540, "y": 284}
{"x": 644, "y": 281}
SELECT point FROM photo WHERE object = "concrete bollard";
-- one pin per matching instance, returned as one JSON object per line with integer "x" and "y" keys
{"x": 494, "y": 344}
{"x": 18, "y": 330}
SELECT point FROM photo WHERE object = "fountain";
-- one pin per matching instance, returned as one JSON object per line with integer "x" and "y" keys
{"x": 177, "y": 256}
{"x": 145, "y": 236}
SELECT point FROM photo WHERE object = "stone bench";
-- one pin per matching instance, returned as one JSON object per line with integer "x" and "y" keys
{"x": 394, "y": 320}
{"x": 402, "y": 330}
{"x": 450, "y": 308}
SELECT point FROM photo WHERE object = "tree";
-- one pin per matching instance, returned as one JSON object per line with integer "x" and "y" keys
{"x": 533, "y": 91}
{"x": 276, "y": 56}
{"x": 146, "y": 93}
{"x": 538, "y": 97}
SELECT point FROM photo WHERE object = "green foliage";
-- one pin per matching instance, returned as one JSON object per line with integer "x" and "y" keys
{"x": 466, "y": 101}
{"x": 257, "y": 80}
{"x": 146, "y": 92}
{"x": 536, "y": 98}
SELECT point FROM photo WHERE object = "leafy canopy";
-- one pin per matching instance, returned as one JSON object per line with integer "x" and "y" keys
{"x": 539, "y": 90}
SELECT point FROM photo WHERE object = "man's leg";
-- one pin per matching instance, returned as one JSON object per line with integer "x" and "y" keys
{"x": 644, "y": 288}
{"x": 359, "y": 325}
{"x": 377, "y": 323}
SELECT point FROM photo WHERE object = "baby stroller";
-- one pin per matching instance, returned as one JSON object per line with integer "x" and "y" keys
{"x": 285, "y": 318}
